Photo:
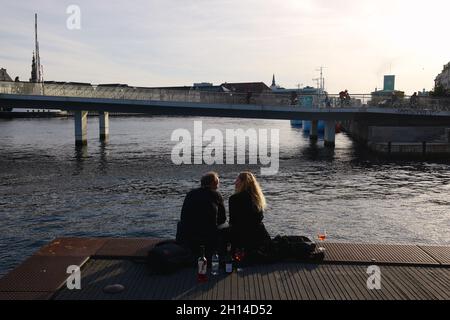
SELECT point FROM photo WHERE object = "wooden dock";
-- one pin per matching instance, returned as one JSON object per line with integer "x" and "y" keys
{"x": 408, "y": 272}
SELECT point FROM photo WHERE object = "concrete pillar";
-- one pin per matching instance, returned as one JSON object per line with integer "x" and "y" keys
{"x": 81, "y": 128}
{"x": 330, "y": 133}
{"x": 313, "y": 130}
{"x": 305, "y": 126}
{"x": 103, "y": 120}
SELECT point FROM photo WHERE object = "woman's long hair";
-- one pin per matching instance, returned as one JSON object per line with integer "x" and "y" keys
{"x": 249, "y": 184}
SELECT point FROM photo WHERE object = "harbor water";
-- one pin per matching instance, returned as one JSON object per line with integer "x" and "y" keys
{"x": 129, "y": 187}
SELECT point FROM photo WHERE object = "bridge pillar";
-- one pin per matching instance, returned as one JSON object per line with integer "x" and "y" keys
{"x": 81, "y": 128}
{"x": 330, "y": 133}
{"x": 313, "y": 130}
{"x": 103, "y": 120}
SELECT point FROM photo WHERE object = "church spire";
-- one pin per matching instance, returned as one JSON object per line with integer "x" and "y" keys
{"x": 273, "y": 81}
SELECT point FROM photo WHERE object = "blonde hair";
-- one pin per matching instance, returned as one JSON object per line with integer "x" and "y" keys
{"x": 249, "y": 184}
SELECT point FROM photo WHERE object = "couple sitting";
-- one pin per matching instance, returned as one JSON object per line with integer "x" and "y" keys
{"x": 203, "y": 217}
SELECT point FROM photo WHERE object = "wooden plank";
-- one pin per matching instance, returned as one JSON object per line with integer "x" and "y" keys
{"x": 381, "y": 253}
{"x": 400, "y": 284}
{"x": 388, "y": 290}
{"x": 345, "y": 277}
{"x": 264, "y": 283}
{"x": 340, "y": 292}
{"x": 25, "y": 295}
{"x": 439, "y": 253}
{"x": 221, "y": 286}
{"x": 255, "y": 281}
{"x": 287, "y": 283}
{"x": 359, "y": 286}
{"x": 299, "y": 289}
{"x": 278, "y": 281}
{"x": 310, "y": 289}
{"x": 441, "y": 276}
{"x": 183, "y": 286}
{"x": 422, "y": 280}
{"x": 334, "y": 291}
{"x": 126, "y": 247}
{"x": 72, "y": 247}
{"x": 360, "y": 278}
{"x": 227, "y": 287}
{"x": 277, "y": 292}
{"x": 337, "y": 278}
{"x": 240, "y": 285}
{"x": 317, "y": 281}
{"x": 40, "y": 274}
{"x": 249, "y": 286}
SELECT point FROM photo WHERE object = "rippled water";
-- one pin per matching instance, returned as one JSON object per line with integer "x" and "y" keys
{"x": 130, "y": 188}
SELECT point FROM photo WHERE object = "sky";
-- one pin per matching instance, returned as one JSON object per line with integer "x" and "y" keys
{"x": 179, "y": 42}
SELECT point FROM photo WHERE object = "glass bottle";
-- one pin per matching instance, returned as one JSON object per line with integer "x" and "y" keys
{"x": 202, "y": 266}
{"x": 229, "y": 260}
{"x": 215, "y": 264}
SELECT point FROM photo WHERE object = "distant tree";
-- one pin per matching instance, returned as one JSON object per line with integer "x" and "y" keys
{"x": 439, "y": 91}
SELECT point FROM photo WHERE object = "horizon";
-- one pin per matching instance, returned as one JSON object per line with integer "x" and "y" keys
{"x": 184, "y": 44}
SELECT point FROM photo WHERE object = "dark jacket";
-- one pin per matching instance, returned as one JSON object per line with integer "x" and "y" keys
{"x": 203, "y": 210}
{"x": 247, "y": 228}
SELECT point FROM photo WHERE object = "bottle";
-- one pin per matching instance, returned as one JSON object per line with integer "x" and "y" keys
{"x": 202, "y": 266}
{"x": 215, "y": 264}
{"x": 229, "y": 260}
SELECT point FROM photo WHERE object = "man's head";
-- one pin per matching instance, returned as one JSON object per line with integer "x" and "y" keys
{"x": 210, "y": 180}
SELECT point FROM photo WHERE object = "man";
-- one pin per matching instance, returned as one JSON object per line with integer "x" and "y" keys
{"x": 203, "y": 210}
{"x": 342, "y": 97}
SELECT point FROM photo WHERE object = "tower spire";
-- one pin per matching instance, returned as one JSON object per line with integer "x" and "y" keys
{"x": 36, "y": 52}
{"x": 273, "y": 81}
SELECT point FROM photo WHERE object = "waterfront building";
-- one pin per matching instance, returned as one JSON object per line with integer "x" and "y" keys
{"x": 379, "y": 96}
{"x": 443, "y": 78}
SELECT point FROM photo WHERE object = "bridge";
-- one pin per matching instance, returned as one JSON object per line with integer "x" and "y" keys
{"x": 82, "y": 98}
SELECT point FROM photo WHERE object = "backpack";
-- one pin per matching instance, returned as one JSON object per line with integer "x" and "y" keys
{"x": 293, "y": 247}
{"x": 168, "y": 256}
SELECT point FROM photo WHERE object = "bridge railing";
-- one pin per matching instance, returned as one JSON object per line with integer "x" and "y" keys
{"x": 230, "y": 98}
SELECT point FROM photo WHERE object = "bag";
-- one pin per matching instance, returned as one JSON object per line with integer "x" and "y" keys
{"x": 293, "y": 247}
{"x": 167, "y": 257}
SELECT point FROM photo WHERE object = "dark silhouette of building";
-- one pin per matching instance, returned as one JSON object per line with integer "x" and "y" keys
{"x": 4, "y": 76}
{"x": 245, "y": 87}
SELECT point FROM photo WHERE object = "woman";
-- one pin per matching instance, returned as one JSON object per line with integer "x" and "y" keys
{"x": 247, "y": 205}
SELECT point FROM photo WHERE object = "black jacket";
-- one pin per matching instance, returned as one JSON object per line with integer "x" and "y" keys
{"x": 247, "y": 228}
{"x": 203, "y": 210}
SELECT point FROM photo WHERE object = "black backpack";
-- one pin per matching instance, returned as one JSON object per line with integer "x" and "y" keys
{"x": 293, "y": 247}
{"x": 168, "y": 256}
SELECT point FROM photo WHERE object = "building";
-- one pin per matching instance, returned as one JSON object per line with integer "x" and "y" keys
{"x": 246, "y": 87}
{"x": 207, "y": 86}
{"x": 4, "y": 76}
{"x": 443, "y": 78}
{"x": 274, "y": 87}
{"x": 388, "y": 91}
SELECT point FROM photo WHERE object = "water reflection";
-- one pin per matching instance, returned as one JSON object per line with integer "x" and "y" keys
{"x": 81, "y": 154}
{"x": 103, "y": 159}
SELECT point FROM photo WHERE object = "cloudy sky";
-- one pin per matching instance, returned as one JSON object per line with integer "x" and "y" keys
{"x": 179, "y": 42}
